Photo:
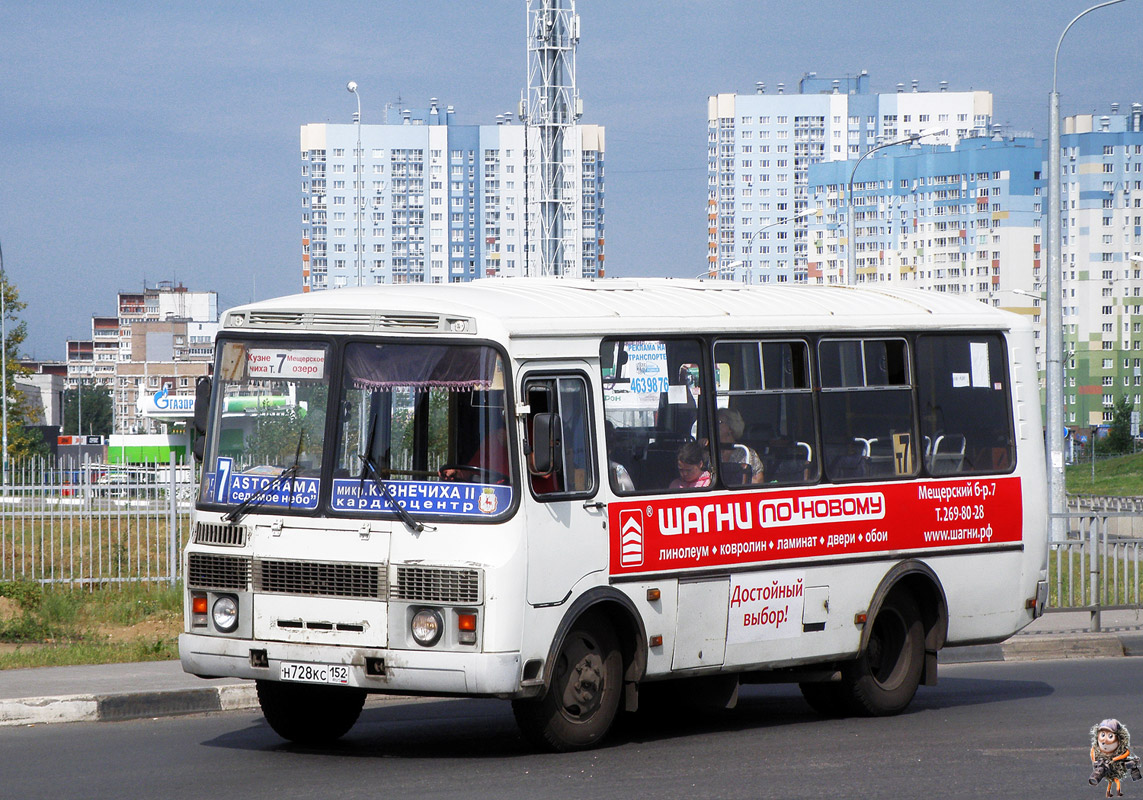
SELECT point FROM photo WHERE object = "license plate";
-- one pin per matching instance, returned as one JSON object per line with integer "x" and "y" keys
{"x": 314, "y": 673}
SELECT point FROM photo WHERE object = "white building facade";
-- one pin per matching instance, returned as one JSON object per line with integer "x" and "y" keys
{"x": 760, "y": 147}
{"x": 438, "y": 202}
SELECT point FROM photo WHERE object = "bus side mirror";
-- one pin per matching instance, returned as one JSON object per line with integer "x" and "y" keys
{"x": 545, "y": 439}
{"x": 202, "y": 388}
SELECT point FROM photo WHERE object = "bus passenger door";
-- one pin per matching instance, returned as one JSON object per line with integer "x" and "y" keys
{"x": 566, "y": 535}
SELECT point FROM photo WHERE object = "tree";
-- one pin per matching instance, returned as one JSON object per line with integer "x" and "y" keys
{"x": 23, "y": 440}
{"x": 97, "y": 414}
{"x": 1119, "y": 434}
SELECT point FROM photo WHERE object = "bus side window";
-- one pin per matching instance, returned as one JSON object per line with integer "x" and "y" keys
{"x": 656, "y": 401}
{"x": 962, "y": 393}
{"x": 766, "y": 428}
{"x": 568, "y": 470}
{"x": 866, "y": 409}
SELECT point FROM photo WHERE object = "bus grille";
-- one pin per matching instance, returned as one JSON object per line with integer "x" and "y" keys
{"x": 206, "y": 571}
{"x": 437, "y": 585}
{"x": 212, "y": 533}
{"x": 319, "y": 579}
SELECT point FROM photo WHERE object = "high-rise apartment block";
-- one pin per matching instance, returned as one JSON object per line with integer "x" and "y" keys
{"x": 962, "y": 219}
{"x": 1101, "y": 203}
{"x": 438, "y": 202}
{"x": 760, "y": 147}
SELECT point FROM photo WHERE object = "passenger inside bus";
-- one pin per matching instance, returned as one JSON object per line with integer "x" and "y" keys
{"x": 739, "y": 462}
{"x": 691, "y": 463}
{"x": 620, "y": 477}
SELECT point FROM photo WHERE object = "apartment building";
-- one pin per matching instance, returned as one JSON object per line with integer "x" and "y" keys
{"x": 427, "y": 200}
{"x": 161, "y": 338}
{"x": 1101, "y": 206}
{"x": 760, "y": 147}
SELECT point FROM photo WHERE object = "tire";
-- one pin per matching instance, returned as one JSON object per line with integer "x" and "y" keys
{"x": 582, "y": 699}
{"x": 309, "y": 714}
{"x": 883, "y": 680}
{"x": 828, "y": 698}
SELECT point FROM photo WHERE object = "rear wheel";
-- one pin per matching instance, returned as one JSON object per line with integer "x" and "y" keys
{"x": 309, "y": 714}
{"x": 883, "y": 680}
{"x": 582, "y": 699}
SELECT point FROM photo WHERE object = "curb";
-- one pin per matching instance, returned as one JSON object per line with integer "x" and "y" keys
{"x": 124, "y": 706}
{"x": 1042, "y": 647}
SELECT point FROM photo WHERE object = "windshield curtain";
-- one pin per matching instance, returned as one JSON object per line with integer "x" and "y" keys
{"x": 431, "y": 422}
{"x": 268, "y": 429}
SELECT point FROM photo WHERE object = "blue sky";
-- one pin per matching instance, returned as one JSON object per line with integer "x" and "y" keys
{"x": 159, "y": 141}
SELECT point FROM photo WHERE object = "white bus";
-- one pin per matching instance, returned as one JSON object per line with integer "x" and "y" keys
{"x": 559, "y": 492}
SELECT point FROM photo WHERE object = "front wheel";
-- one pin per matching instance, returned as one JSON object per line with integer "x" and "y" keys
{"x": 309, "y": 714}
{"x": 582, "y": 699}
{"x": 883, "y": 680}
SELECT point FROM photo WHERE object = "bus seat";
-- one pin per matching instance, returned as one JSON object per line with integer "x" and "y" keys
{"x": 948, "y": 453}
{"x": 735, "y": 473}
{"x": 851, "y": 461}
{"x": 881, "y": 458}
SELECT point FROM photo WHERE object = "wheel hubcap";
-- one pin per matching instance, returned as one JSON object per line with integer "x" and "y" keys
{"x": 583, "y": 678}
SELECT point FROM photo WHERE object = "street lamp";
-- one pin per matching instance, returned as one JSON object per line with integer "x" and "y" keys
{"x": 850, "y": 251}
{"x": 1054, "y": 373}
{"x": 729, "y": 268}
{"x": 358, "y": 180}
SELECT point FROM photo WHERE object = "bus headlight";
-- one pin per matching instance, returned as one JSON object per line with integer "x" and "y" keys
{"x": 427, "y": 627}
{"x": 225, "y": 613}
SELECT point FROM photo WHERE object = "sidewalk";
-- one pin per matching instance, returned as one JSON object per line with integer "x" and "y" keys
{"x": 114, "y": 692}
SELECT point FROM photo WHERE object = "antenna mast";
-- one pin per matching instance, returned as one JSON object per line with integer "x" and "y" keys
{"x": 550, "y": 109}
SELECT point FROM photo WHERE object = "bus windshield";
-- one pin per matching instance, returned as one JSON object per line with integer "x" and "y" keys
{"x": 421, "y": 430}
{"x": 424, "y": 426}
{"x": 266, "y": 444}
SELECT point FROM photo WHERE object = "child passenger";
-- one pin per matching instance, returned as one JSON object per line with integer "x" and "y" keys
{"x": 692, "y": 472}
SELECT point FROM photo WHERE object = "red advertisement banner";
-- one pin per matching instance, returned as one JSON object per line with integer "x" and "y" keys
{"x": 690, "y": 531}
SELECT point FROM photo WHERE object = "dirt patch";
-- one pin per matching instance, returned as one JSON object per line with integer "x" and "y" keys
{"x": 9, "y": 609}
{"x": 148, "y": 630}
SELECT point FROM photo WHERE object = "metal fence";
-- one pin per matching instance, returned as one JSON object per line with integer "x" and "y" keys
{"x": 1095, "y": 568}
{"x": 83, "y": 523}
{"x": 1089, "y": 502}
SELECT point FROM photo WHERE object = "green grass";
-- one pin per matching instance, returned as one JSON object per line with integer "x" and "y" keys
{"x": 1117, "y": 476}
{"x": 80, "y": 653}
{"x": 57, "y": 626}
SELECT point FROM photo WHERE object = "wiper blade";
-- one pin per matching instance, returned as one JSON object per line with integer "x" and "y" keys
{"x": 367, "y": 466}
{"x": 240, "y": 510}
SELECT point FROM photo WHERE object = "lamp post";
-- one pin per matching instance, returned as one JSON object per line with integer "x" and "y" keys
{"x": 850, "y": 251}
{"x": 1054, "y": 373}
{"x": 729, "y": 268}
{"x": 358, "y": 180}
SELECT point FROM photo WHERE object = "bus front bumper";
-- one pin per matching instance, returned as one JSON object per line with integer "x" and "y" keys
{"x": 398, "y": 671}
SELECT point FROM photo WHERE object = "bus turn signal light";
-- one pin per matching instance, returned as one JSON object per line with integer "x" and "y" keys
{"x": 198, "y": 610}
{"x": 466, "y": 628}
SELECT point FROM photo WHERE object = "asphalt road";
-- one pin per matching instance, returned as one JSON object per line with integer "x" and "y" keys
{"x": 1003, "y": 729}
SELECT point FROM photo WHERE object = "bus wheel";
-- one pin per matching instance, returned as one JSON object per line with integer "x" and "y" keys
{"x": 582, "y": 699}
{"x": 883, "y": 680}
{"x": 309, "y": 714}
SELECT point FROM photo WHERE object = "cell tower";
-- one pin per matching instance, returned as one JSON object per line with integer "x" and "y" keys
{"x": 551, "y": 107}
